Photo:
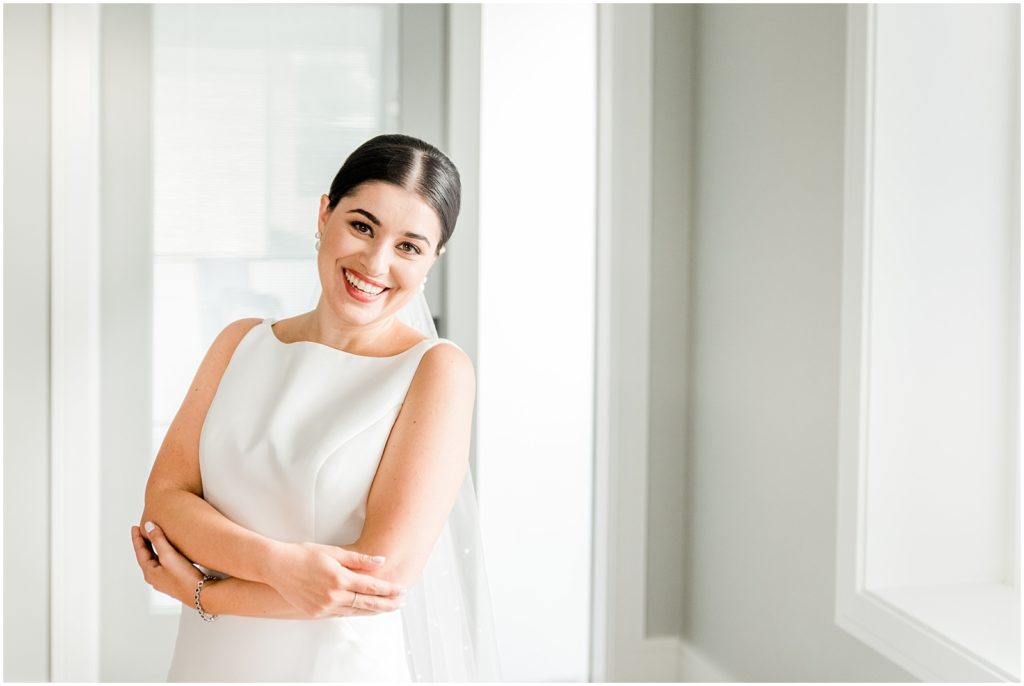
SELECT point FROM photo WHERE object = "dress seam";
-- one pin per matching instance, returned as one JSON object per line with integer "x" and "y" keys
{"x": 319, "y": 469}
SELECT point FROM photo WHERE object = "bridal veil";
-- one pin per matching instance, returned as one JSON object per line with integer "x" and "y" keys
{"x": 449, "y": 626}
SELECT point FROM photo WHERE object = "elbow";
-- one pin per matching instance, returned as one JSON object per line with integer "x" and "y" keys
{"x": 398, "y": 574}
{"x": 399, "y": 567}
{"x": 155, "y": 502}
{"x": 153, "y": 499}
{"x": 151, "y": 512}
{"x": 150, "y": 505}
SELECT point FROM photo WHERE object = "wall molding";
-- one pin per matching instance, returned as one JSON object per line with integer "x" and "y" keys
{"x": 620, "y": 649}
{"x": 460, "y": 276}
{"x": 75, "y": 344}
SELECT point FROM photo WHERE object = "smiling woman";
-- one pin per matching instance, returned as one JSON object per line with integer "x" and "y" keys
{"x": 314, "y": 483}
{"x": 369, "y": 272}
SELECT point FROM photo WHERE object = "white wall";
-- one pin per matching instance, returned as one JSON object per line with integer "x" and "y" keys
{"x": 26, "y": 342}
{"x": 767, "y": 221}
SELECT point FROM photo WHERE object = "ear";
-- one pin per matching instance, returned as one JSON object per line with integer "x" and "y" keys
{"x": 324, "y": 214}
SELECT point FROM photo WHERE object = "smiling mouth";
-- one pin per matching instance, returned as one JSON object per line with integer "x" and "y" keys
{"x": 363, "y": 287}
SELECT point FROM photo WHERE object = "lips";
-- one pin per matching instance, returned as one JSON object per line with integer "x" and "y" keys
{"x": 363, "y": 277}
{"x": 362, "y": 290}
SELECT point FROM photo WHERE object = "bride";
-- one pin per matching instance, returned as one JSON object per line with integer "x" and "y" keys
{"x": 386, "y": 581}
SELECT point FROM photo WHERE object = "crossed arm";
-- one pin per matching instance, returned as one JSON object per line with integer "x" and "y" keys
{"x": 417, "y": 480}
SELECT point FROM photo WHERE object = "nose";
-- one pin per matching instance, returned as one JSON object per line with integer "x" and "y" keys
{"x": 374, "y": 260}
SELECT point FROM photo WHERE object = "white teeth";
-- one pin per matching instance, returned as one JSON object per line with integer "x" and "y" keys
{"x": 362, "y": 285}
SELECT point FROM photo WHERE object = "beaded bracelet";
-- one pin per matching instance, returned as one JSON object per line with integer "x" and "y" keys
{"x": 199, "y": 586}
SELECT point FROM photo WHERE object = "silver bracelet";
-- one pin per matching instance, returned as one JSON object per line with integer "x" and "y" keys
{"x": 199, "y": 586}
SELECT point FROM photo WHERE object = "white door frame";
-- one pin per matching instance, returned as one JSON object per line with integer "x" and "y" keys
{"x": 75, "y": 344}
{"x": 621, "y": 650}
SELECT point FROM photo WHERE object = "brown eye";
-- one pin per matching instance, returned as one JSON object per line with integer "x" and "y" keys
{"x": 415, "y": 248}
{"x": 356, "y": 226}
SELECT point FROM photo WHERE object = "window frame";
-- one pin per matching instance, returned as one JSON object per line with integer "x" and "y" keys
{"x": 882, "y": 620}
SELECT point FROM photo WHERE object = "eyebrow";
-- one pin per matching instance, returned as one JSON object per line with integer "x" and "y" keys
{"x": 376, "y": 221}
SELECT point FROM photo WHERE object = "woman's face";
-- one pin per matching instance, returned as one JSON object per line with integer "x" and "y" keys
{"x": 380, "y": 236}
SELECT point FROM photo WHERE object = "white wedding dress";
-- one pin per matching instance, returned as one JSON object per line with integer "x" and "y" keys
{"x": 289, "y": 448}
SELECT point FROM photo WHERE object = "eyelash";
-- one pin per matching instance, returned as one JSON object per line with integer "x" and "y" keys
{"x": 415, "y": 248}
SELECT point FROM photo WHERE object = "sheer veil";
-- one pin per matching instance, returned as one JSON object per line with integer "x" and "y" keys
{"x": 449, "y": 626}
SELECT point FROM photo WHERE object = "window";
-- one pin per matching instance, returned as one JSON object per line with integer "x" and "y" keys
{"x": 249, "y": 128}
{"x": 928, "y": 554}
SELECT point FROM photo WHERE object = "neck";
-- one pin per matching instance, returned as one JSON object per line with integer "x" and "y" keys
{"x": 322, "y": 326}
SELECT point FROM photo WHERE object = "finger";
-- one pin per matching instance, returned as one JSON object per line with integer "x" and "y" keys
{"x": 169, "y": 556}
{"x": 156, "y": 537}
{"x": 375, "y": 604}
{"x": 371, "y": 585}
{"x": 354, "y": 560}
{"x": 143, "y": 555}
{"x": 144, "y": 536}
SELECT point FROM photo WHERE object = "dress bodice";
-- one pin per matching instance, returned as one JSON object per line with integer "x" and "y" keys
{"x": 289, "y": 448}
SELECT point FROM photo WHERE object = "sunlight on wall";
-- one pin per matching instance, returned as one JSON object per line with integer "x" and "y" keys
{"x": 536, "y": 354}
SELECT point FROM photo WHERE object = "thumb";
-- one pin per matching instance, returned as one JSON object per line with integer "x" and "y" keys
{"x": 156, "y": 536}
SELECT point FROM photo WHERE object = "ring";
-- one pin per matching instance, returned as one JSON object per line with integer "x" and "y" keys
{"x": 354, "y": 594}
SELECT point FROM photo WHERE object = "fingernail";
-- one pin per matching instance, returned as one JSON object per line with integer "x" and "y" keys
{"x": 378, "y": 559}
{"x": 150, "y": 526}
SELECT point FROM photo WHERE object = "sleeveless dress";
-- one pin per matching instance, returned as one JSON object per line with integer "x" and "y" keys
{"x": 289, "y": 448}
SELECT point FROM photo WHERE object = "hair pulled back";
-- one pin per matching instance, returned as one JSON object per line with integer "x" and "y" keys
{"x": 409, "y": 163}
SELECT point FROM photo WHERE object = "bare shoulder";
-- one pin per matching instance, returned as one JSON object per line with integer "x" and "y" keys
{"x": 448, "y": 361}
{"x": 230, "y": 336}
{"x": 444, "y": 379}
{"x": 177, "y": 462}
{"x": 238, "y": 328}
{"x": 217, "y": 357}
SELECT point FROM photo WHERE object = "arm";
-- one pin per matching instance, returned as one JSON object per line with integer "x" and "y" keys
{"x": 173, "y": 574}
{"x": 174, "y": 491}
{"x": 174, "y": 500}
{"x": 423, "y": 465}
{"x": 249, "y": 599}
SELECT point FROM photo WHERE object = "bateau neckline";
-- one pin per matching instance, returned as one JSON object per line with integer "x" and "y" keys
{"x": 269, "y": 322}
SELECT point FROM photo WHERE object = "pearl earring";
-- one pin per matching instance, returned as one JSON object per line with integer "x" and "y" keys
{"x": 424, "y": 284}
{"x": 317, "y": 234}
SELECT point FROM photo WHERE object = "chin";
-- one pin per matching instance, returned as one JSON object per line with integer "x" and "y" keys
{"x": 364, "y": 313}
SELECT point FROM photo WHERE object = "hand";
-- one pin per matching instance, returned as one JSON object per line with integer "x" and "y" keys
{"x": 319, "y": 580}
{"x": 172, "y": 573}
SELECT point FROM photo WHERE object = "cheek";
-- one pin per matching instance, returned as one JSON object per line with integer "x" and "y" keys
{"x": 421, "y": 274}
{"x": 409, "y": 275}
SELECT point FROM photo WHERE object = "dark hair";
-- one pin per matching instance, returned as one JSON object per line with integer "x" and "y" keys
{"x": 409, "y": 163}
